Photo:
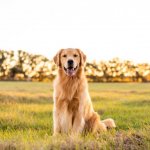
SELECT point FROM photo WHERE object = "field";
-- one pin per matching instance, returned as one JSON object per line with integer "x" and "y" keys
{"x": 26, "y": 117}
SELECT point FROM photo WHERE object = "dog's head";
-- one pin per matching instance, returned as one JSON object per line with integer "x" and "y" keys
{"x": 70, "y": 60}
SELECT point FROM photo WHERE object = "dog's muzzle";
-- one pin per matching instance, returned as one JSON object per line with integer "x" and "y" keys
{"x": 70, "y": 70}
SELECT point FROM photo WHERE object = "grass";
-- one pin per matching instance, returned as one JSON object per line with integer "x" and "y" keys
{"x": 26, "y": 117}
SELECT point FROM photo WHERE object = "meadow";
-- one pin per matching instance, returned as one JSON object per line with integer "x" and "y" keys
{"x": 26, "y": 117}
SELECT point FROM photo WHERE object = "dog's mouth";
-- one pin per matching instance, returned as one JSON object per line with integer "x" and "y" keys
{"x": 71, "y": 71}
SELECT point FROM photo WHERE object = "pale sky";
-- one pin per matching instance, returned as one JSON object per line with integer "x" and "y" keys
{"x": 103, "y": 29}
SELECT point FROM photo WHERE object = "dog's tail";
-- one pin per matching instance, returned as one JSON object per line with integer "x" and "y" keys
{"x": 109, "y": 123}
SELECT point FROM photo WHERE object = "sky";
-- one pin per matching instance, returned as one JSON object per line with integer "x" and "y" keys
{"x": 103, "y": 29}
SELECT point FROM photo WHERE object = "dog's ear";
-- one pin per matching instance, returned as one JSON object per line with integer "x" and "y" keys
{"x": 56, "y": 58}
{"x": 82, "y": 57}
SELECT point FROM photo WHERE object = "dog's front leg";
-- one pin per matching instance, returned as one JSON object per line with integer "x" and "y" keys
{"x": 56, "y": 121}
{"x": 57, "y": 129}
{"x": 78, "y": 124}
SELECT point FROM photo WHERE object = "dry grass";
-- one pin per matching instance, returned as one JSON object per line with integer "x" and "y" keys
{"x": 26, "y": 117}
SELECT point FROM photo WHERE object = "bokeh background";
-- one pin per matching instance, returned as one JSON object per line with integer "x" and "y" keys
{"x": 31, "y": 67}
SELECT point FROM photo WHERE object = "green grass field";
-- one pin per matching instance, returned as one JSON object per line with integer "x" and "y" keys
{"x": 26, "y": 117}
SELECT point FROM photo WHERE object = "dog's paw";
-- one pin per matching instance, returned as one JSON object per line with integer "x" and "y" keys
{"x": 110, "y": 123}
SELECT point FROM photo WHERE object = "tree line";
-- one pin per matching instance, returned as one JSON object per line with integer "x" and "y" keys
{"x": 28, "y": 67}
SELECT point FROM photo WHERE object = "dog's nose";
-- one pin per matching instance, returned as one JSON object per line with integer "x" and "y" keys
{"x": 70, "y": 62}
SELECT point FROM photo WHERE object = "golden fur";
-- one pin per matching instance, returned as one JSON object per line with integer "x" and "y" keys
{"x": 73, "y": 111}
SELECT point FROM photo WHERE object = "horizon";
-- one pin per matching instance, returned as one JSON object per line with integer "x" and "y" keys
{"x": 103, "y": 30}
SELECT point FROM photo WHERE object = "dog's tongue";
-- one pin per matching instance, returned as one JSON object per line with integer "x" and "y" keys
{"x": 70, "y": 72}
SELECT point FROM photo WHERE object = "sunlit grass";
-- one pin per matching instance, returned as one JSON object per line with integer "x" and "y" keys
{"x": 26, "y": 117}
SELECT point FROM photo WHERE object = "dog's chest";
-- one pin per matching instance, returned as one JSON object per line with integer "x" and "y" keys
{"x": 73, "y": 105}
{"x": 69, "y": 105}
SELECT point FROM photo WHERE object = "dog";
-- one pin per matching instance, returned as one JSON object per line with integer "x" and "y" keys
{"x": 73, "y": 110}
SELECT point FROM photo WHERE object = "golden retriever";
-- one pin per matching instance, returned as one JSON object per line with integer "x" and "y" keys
{"x": 73, "y": 111}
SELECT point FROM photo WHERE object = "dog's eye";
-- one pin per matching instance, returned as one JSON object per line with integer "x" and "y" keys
{"x": 64, "y": 55}
{"x": 75, "y": 55}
